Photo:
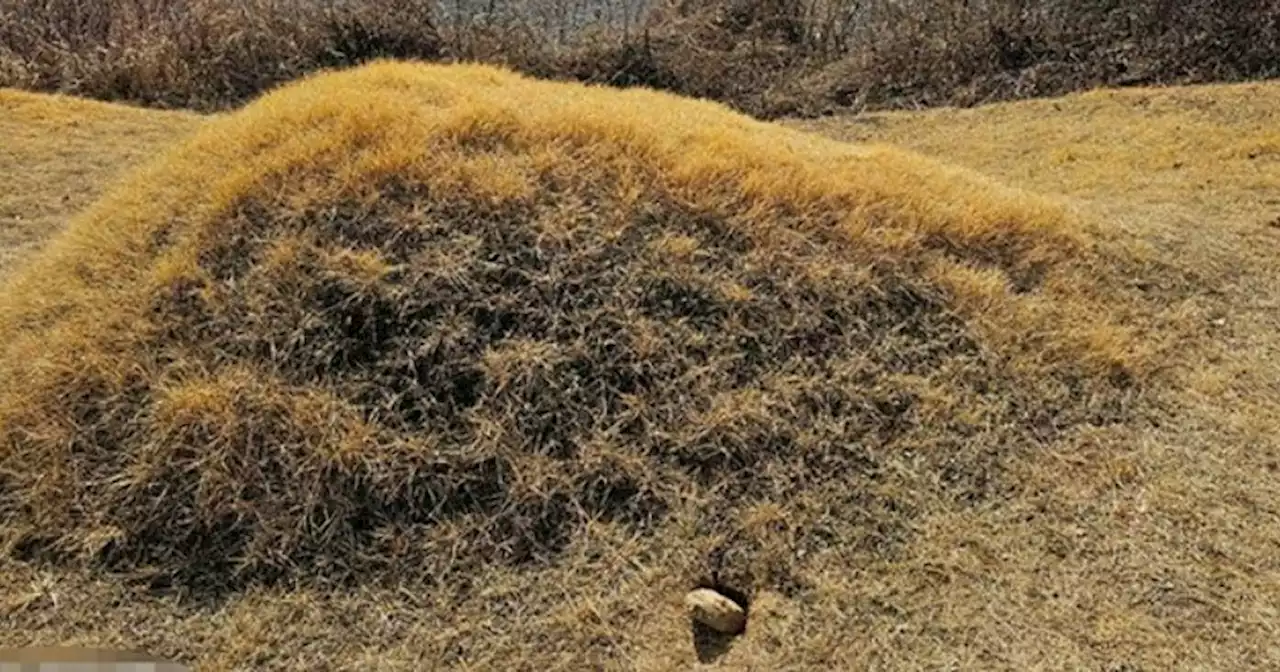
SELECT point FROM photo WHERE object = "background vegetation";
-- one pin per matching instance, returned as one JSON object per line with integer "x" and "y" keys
{"x": 766, "y": 57}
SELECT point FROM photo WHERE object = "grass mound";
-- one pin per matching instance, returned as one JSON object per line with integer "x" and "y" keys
{"x": 410, "y": 318}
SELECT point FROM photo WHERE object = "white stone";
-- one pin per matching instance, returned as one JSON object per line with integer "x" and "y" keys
{"x": 716, "y": 611}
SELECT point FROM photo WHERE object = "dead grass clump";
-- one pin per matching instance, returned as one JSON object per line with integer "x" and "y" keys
{"x": 411, "y": 318}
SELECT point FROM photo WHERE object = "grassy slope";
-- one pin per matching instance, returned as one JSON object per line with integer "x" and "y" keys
{"x": 58, "y": 155}
{"x": 1156, "y": 546}
{"x": 1146, "y": 546}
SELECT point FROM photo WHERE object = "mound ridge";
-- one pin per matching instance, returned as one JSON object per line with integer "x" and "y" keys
{"x": 410, "y": 318}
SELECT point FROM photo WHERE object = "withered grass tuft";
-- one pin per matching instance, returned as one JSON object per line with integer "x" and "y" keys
{"x": 415, "y": 319}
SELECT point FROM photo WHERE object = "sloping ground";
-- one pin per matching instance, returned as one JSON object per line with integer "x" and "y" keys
{"x": 1139, "y": 544}
{"x": 1154, "y": 547}
{"x": 59, "y": 153}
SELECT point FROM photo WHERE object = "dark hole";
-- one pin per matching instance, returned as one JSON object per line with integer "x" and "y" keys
{"x": 466, "y": 388}
{"x": 740, "y": 598}
{"x": 707, "y": 643}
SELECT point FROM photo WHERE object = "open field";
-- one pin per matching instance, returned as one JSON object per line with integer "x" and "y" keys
{"x": 1145, "y": 544}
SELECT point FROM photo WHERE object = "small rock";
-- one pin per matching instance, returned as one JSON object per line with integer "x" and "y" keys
{"x": 716, "y": 611}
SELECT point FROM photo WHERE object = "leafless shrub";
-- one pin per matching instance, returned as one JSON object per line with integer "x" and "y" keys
{"x": 767, "y": 57}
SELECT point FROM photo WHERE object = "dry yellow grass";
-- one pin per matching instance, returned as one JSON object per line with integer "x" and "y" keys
{"x": 1213, "y": 146}
{"x": 58, "y": 155}
{"x": 1152, "y": 545}
{"x": 1148, "y": 544}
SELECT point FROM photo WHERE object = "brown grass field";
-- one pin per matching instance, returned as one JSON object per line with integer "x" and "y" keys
{"x": 1016, "y": 408}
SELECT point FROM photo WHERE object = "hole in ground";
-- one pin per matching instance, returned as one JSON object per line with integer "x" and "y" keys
{"x": 708, "y": 643}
